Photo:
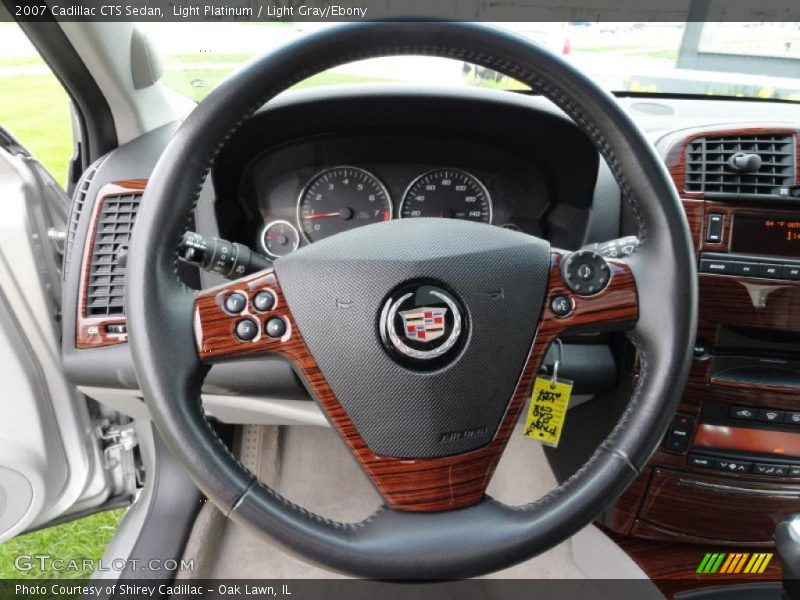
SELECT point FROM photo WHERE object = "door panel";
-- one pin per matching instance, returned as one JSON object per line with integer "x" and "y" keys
{"x": 51, "y": 460}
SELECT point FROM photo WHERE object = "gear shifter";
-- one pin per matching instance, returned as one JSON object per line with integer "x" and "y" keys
{"x": 787, "y": 543}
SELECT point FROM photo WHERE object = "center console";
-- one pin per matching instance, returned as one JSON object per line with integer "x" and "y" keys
{"x": 728, "y": 470}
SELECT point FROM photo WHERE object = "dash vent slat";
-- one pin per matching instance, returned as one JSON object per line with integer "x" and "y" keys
{"x": 708, "y": 169}
{"x": 79, "y": 200}
{"x": 105, "y": 290}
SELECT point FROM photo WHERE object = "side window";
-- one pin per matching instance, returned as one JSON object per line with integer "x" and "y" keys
{"x": 35, "y": 109}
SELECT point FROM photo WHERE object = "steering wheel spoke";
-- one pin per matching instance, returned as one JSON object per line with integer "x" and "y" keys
{"x": 248, "y": 316}
{"x": 407, "y": 484}
{"x": 614, "y": 305}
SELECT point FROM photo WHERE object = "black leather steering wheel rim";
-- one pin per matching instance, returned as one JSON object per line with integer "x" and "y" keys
{"x": 391, "y": 544}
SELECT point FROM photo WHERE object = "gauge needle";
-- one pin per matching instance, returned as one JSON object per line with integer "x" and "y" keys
{"x": 324, "y": 215}
{"x": 345, "y": 213}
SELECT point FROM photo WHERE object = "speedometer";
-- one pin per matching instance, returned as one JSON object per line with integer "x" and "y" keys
{"x": 447, "y": 193}
{"x": 339, "y": 199}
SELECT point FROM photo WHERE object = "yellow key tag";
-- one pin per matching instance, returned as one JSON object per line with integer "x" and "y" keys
{"x": 548, "y": 410}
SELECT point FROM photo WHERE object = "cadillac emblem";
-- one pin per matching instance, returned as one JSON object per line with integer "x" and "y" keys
{"x": 421, "y": 323}
{"x": 424, "y": 324}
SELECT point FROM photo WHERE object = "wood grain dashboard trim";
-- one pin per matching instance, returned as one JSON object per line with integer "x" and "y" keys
{"x": 675, "y": 150}
{"x": 430, "y": 484}
{"x": 672, "y": 566}
{"x": 90, "y": 332}
{"x": 723, "y": 300}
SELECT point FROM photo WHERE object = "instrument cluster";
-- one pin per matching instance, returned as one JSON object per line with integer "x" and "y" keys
{"x": 306, "y": 191}
{"x": 342, "y": 197}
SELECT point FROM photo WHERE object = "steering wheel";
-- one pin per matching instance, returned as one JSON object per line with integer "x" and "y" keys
{"x": 418, "y": 338}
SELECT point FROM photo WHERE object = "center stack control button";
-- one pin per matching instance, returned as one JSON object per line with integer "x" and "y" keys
{"x": 702, "y": 462}
{"x": 743, "y": 412}
{"x": 679, "y": 433}
{"x": 747, "y": 269}
{"x": 714, "y": 228}
{"x": 770, "y": 270}
{"x": 770, "y": 416}
{"x": 749, "y": 266}
{"x": 708, "y": 265}
{"x": 585, "y": 272}
{"x": 771, "y": 470}
{"x": 792, "y": 416}
{"x": 731, "y": 465}
{"x": 791, "y": 272}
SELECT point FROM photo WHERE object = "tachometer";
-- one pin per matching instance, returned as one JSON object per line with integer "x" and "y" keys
{"x": 339, "y": 199}
{"x": 447, "y": 193}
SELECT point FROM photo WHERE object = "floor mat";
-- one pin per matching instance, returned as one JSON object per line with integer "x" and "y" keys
{"x": 312, "y": 467}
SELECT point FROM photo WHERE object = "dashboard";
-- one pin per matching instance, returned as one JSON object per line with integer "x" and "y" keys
{"x": 311, "y": 190}
{"x": 318, "y": 162}
{"x": 308, "y": 167}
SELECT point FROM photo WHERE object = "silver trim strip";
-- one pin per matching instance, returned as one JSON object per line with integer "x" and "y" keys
{"x": 738, "y": 490}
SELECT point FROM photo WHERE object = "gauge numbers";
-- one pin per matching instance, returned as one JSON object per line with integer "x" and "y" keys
{"x": 447, "y": 193}
{"x": 339, "y": 199}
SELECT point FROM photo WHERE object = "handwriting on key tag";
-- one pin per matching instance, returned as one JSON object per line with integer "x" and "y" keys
{"x": 548, "y": 407}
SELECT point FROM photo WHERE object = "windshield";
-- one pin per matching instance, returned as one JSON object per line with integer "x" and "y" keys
{"x": 754, "y": 60}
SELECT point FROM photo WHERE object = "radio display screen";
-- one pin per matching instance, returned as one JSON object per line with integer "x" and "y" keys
{"x": 777, "y": 236}
{"x": 746, "y": 439}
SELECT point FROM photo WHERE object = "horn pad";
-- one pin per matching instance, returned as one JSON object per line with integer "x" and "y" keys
{"x": 489, "y": 279}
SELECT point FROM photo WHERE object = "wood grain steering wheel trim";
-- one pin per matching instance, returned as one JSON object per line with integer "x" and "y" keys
{"x": 429, "y": 484}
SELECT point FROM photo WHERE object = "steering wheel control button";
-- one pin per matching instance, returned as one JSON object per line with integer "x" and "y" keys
{"x": 247, "y": 330}
{"x": 585, "y": 272}
{"x": 561, "y": 305}
{"x": 275, "y": 327}
{"x": 235, "y": 303}
{"x": 422, "y": 324}
{"x": 264, "y": 301}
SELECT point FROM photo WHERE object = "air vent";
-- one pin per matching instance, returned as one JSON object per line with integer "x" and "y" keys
{"x": 105, "y": 294}
{"x": 710, "y": 164}
{"x": 79, "y": 199}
